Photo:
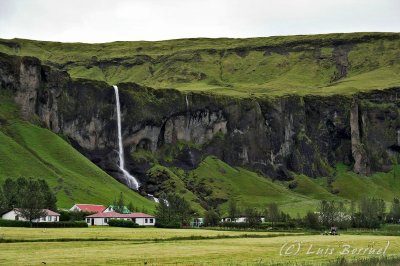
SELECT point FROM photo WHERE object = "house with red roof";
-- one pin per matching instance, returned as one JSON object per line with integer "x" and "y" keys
{"x": 92, "y": 208}
{"x": 15, "y": 215}
{"x": 136, "y": 217}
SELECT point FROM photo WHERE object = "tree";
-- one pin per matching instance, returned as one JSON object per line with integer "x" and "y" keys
{"x": 29, "y": 197}
{"x": 2, "y": 202}
{"x": 10, "y": 193}
{"x": 328, "y": 212}
{"x": 173, "y": 211}
{"x": 119, "y": 204}
{"x": 131, "y": 207}
{"x": 395, "y": 210}
{"x": 371, "y": 213}
{"x": 211, "y": 218}
{"x": 311, "y": 220}
{"x": 49, "y": 197}
{"x": 273, "y": 213}
{"x": 233, "y": 210}
{"x": 32, "y": 202}
{"x": 253, "y": 217}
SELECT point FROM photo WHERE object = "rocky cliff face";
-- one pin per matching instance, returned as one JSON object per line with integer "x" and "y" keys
{"x": 306, "y": 134}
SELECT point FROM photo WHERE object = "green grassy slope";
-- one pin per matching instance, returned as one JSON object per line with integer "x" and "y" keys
{"x": 249, "y": 189}
{"x": 30, "y": 151}
{"x": 379, "y": 185}
{"x": 236, "y": 67}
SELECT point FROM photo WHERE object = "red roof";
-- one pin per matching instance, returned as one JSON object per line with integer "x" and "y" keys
{"x": 91, "y": 207}
{"x": 120, "y": 215}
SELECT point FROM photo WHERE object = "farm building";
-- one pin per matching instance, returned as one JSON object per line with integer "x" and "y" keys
{"x": 241, "y": 219}
{"x": 136, "y": 217}
{"x": 16, "y": 216}
{"x": 93, "y": 208}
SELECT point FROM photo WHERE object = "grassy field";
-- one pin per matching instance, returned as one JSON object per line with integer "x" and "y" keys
{"x": 143, "y": 246}
{"x": 115, "y": 233}
{"x": 272, "y": 66}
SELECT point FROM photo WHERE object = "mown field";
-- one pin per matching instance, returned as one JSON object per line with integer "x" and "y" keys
{"x": 151, "y": 246}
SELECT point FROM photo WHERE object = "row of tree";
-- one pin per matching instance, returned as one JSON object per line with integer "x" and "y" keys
{"x": 367, "y": 213}
{"x": 175, "y": 211}
{"x": 30, "y": 196}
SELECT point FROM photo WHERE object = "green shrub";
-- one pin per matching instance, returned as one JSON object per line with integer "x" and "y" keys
{"x": 122, "y": 223}
{"x": 11, "y": 223}
{"x": 168, "y": 225}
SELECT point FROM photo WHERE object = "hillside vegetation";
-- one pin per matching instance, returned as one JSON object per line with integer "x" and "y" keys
{"x": 215, "y": 183}
{"x": 313, "y": 64}
{"x": 258, "y": 67}
{"x": 31, "y": 151}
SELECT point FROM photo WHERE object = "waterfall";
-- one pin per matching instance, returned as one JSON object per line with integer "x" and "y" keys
{"x": 153, "y": 198}
{"x": 132, "y": 182}
{"x": 398, "y": 137}
{"x": 187, "y": 103}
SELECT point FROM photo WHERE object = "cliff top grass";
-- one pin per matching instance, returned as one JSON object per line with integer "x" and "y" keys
{"x": 256, "y": 67}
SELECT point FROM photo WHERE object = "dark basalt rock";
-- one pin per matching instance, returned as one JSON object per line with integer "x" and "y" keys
{"x": 277, "y": 136}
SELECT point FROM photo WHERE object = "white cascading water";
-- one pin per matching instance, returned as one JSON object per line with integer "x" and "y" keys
{"x": 132, "y": 182}
{"x": 187, "y": 103}
{"x": 153, "y": 198}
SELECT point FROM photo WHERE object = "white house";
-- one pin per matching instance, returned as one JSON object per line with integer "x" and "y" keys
{"x": 136, "y": 217}
{"x": 16, "y": 216}
{"x": 234, "y": 220}
{"x": 197, "y": 222}
{"x": 88, "y": 208}
{"x": 241, "y": 219}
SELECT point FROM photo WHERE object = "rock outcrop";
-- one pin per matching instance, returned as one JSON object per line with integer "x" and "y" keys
{"x": 277, "y": 136}
{"x": 360, "y": 155}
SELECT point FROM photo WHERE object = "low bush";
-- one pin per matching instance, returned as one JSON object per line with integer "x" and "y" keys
{"x": 261, "y": 226}
{"x": 122, "y": 223}
{"x": 168, "y": 225}
{"x": 11, "y": 223}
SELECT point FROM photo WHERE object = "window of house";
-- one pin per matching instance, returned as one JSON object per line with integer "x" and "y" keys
{"x": 49, "y": 218}
{"x": 16, "y": 218}
{"x": 88, "y": 220}
{"x": 145, "y": 221}
{"x": 151, "y": 221}
{"x": 105, "y": 220}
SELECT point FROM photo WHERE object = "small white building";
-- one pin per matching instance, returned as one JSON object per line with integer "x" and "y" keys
{"x": 234, "y": 220}
{"x": 136, "y": 217}
{"x": 241, "y": 219}
{"x": 16, "y": 216}
{"x": 197, "y": 222}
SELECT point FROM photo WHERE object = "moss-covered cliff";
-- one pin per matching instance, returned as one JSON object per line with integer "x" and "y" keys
{"x": 313, "y": 64}
{"x": 302, "y": 128}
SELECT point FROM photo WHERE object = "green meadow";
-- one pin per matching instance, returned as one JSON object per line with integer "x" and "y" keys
{"x": 150, "y": 246}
